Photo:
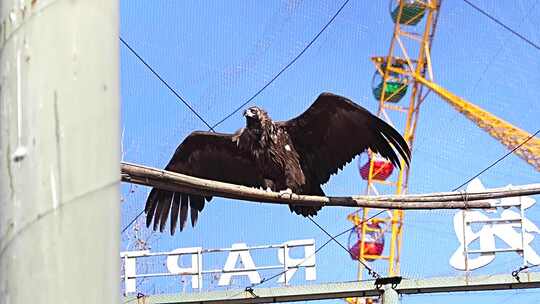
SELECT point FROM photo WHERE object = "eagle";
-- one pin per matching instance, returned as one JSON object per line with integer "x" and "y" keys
{"x": 298, "y": 155}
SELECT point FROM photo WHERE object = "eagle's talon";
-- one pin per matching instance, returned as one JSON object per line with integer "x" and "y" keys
{"x": 288, "y": 191}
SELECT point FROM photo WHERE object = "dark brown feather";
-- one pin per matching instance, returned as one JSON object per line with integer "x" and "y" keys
{"x": 165, "y": 213}
{"x": 183, "y": 211}
{"x": 197, "y": 204}
{"x": 207, "y": 155}
{"x": 174, "y": 211}
{"x": 162, "y": 211}
{"x": 300, "y": 154}
{"x": 333, "y": 130}
{"x": 151, "y": 205}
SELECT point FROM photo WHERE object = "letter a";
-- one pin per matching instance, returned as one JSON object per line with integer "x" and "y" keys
{"x": 245, "y": 259}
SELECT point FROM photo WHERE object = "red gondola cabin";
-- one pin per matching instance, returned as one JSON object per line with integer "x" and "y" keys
{"x": 382, "y": 169}
{"x": 373, "y": 242}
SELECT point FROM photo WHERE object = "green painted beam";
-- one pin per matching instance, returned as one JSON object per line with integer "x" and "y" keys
{"x": 348, "y": 289}
{"x": 272, "y": 294}
{"x": 473, "y": 283}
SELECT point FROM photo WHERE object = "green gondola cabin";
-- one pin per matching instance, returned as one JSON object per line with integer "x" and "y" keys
{"x": 412, "y": 13}
{"x": 396, "y": 84}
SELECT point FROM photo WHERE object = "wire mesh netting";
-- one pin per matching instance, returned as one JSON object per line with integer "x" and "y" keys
{"x": 217, "y": 55}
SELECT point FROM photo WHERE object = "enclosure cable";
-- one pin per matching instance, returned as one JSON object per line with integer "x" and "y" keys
{"x": 291, "y": 63}
{"x": 243, "y": 104}
{"x": 501, "y": 48}
{"x": 498, "y": 160}
{"x": 132, "y": 221}
{"x": 175, "y": 94}
{"x": 516, "y": 272}
{"x": 285, "y": 67}
{"x": 166, "y": 84}
{"x": 332, "y": 238}
{"x": 536, "y": 46}
{"x": 371, "y": 272}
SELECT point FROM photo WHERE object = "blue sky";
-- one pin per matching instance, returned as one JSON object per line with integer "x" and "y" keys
{"x": 218, "y": 54}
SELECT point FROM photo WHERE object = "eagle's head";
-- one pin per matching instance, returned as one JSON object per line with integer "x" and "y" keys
{"x": 256, "y": 118}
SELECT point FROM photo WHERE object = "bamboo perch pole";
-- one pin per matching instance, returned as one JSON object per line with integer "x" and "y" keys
{"x": 142, "y": 175}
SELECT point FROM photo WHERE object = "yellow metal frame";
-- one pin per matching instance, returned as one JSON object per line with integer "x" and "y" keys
{"x": 408, "y": 116}
{"x": 357, "y": 221}
{"x": 503, "y": 131}
{"x": 420, "y": 76}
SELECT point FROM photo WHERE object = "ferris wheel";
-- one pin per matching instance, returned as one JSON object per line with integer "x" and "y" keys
{"x": 408, "y": 68}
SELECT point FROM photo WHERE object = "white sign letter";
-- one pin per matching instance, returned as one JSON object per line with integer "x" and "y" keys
{"x": 196, "y": 264}
{"x": 130, "y": 269}
{"x": 292, "y": 264}
{"x": 507, "y": 227}
{"x": 245, "y": 259}
{"x": 485, "y": 235}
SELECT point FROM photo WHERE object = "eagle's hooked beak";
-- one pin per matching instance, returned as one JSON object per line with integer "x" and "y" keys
{"x": 249, "y": 113}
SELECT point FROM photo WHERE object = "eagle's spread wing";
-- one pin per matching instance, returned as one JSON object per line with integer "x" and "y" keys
{"x": 206, "y": 155}
{"x": 334, "y": 130}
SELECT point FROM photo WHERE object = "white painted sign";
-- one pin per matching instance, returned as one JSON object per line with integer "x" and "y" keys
{"x": 506, "y": 225}
{"x": 237, "y": 254}
{"x": 196, "y": 264}
{"x": 245, "y": 259}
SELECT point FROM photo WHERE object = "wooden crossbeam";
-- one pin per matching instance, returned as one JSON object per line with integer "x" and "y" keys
{"x": 142, "y": 175}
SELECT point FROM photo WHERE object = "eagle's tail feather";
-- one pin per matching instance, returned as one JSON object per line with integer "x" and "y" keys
{"x": 196, "y": 203}
{"x": 183, "y": 211}
{"x": 163, "y": 211}
{"x": 175, "y": 208}
{"x": 151, "y": 205}
{"x": 163, "y": 204}
{"x": 156, "y": 211}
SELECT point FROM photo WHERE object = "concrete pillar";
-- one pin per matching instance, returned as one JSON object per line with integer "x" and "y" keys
{"x": 59, "y": 151}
